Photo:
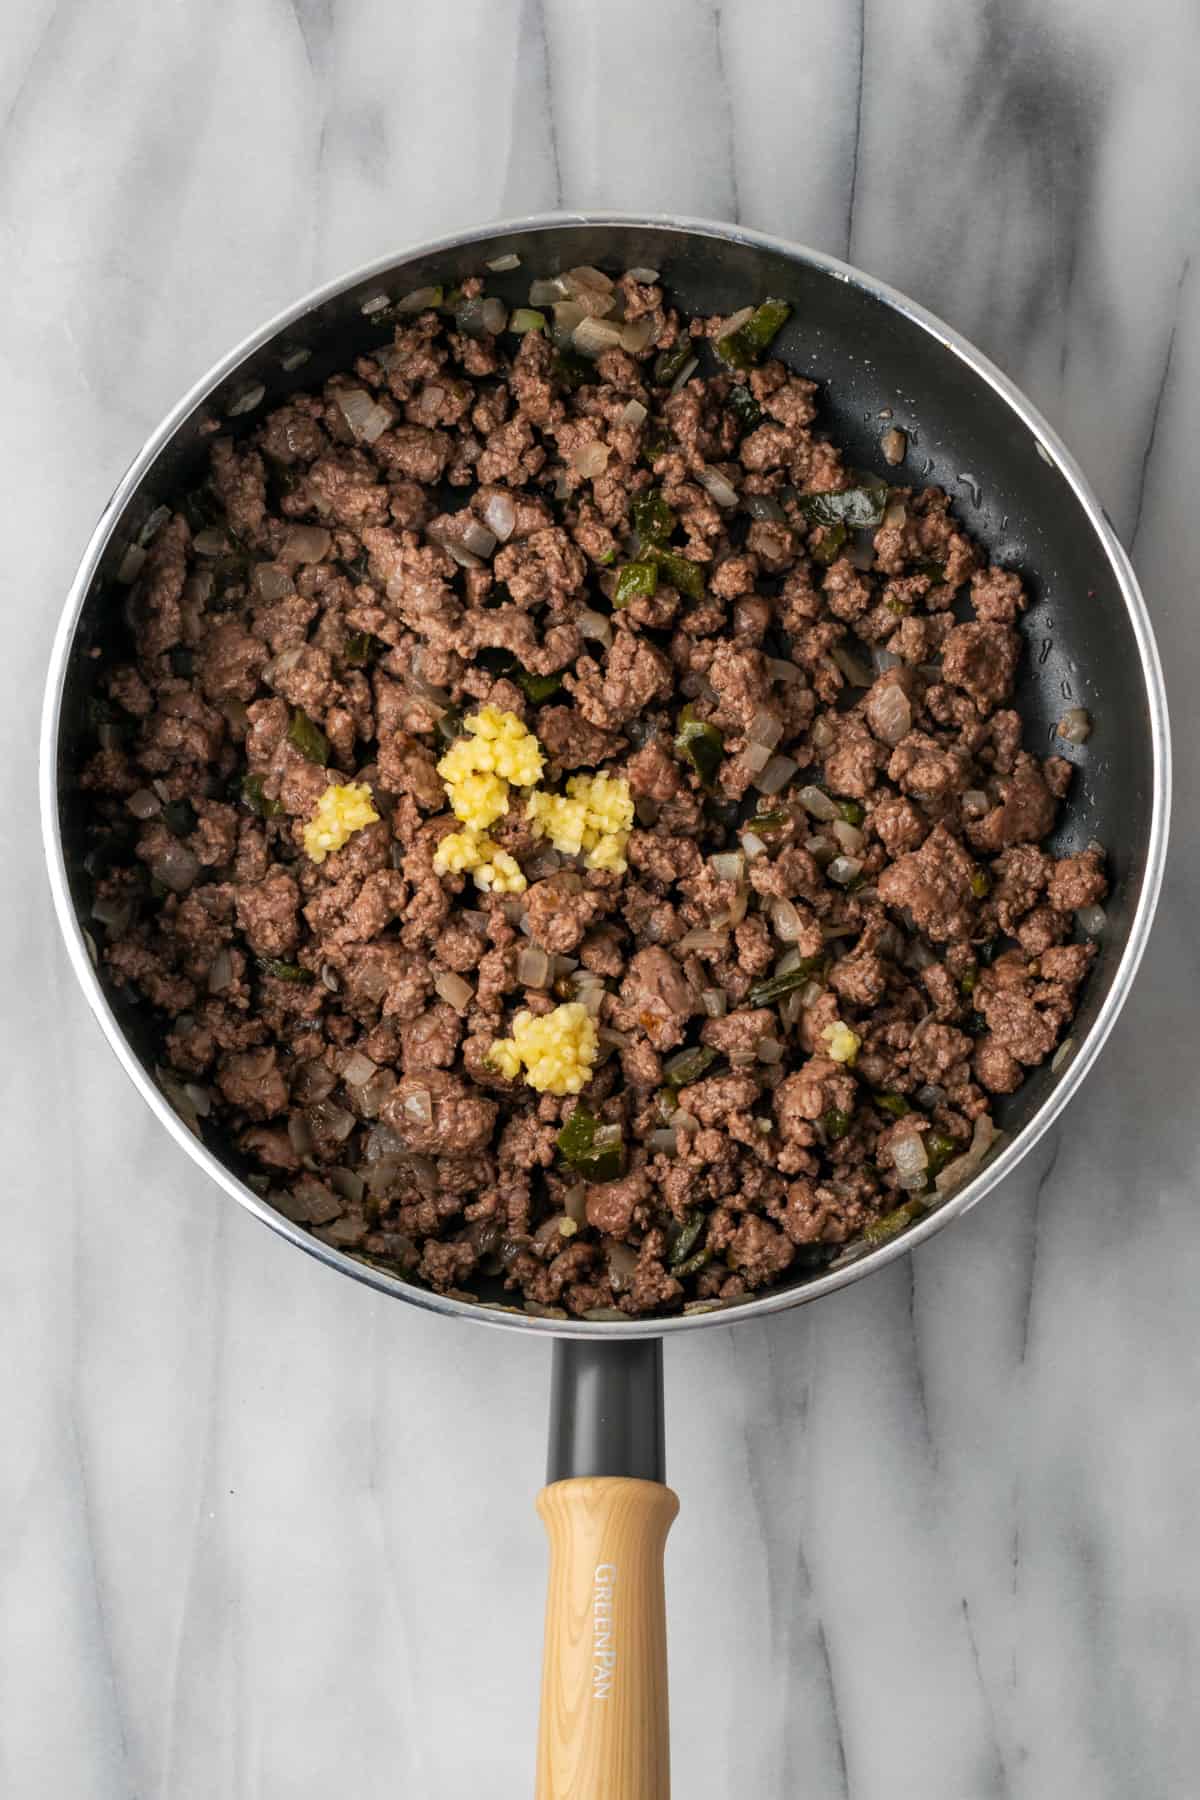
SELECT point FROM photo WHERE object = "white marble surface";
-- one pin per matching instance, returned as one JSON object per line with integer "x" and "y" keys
{"x": 265, "y": 1535}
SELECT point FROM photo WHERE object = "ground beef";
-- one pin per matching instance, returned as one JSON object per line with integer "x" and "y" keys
{"x": 339, "y": 1015}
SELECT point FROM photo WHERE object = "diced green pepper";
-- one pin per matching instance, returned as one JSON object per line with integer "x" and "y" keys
{"x": 895, "y": 1104}
{"x": 359, "y": 651}
{"x": 966, "y": 986}
{"x": 744, "y": 406}
{"x": 693, "y": 1265}
{"x": 680, "y": 571}
{"x": 898, "y": 608}
{"x": 537, "y": 688}
{"x": 741, "y": 348}
{"x": 526, "y": 318}
{"x": 636, "y": 580}
{"x": 775, "y": 820}
{"x": 832, "y": 539}
{"x": 596, "y": 1150}
{"x": 308, "y": 738}
{"x": 668, "y": 363}
{"x": 981, "y": 887}
{"x": 776, "y": 986}
{"x": 857, "y": 508}
{"x": 689, "y": 1065}
{"x": 653, "y": 519}
{"x": 851, "y": 811}
{"x": 940, "y": 1149}
{"x": 256, "y": 800}
{"x": 891, "y": 1224}
{"x": 837, "y": 1123}
{"x": 699, "y": 743}
{"x": 607, "y": 558}
{"x": 685, "y": 1238}
{"x": 284, "y": 971}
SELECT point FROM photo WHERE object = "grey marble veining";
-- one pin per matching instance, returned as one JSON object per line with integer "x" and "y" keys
{"x": 264, "y": 1535}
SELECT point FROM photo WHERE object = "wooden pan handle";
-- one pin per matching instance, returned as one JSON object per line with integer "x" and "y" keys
{"x": 603, "y": 1732}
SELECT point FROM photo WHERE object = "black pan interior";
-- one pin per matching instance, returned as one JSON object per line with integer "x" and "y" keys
{"x": 877, "y": 366}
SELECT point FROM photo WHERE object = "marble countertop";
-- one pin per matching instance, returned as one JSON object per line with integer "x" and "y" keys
{"x": 265, "y": 1535}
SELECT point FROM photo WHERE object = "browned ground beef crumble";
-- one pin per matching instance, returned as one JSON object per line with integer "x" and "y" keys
{"x": 301, "y": 1005}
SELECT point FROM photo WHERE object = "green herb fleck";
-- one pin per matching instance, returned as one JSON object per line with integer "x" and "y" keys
{"x": 537, "y": 688}
{"x": 836, "y": 1123}
{"x": 699, "y": 743}
{"x": 981, "y": 887}
{"x": 967, "y": 983}
{"x": 851, "y": 811}
{"x": 895, "y": 1104}
{"x": 637, "y": 580}
{"x": 284, "y": 971}
{"x": 308, "y": 738}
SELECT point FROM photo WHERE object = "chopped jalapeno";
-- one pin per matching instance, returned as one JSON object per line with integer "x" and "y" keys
{"x": 744, "y": 406}
{"x": 981, "y": 887}
{"x": 283, "y": 971}
{"x": 685, "y": 1238}
{"x": 653, "y": 519}
{"x": 256, "y": 800}
{"x": 359, "y": 651}
{"x": 895, "y": 1104}
{"x": 680, "y": 571}
{"x": 966, "y": 986}
{"x": 776, "y": 986}
{"x": 668, "y": 363}
{"x": 880, "y": 1230}
{"x": 775, "y": 820}
{"x": 836, "y": 1122}
{"x": 636, "y": 580}
{"x": 940, "y": 1149}
{"x": 308, "y": 738}
{"x": 689, "y": 1065}
{"x": 856, "y": 508}
{"x": 897, "y": 607}
{"x": 699, "y": 743}
{"x": 526, "y": 318}
{"x": 693, "y": 1265}
{"x": 537, "y": 688}
{"x": 851, "y": 811}
{"x": 742, "y": 348}
{"x": 832, "y": 539}
{"x": 607, "y": 559}
{"x": 596, "y": 1150}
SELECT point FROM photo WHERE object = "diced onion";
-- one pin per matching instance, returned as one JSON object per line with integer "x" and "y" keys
{"x": 786, "y": 922}
{"x": 220, "y": 973}
{"x": 144, "y": 804}
{"x": 885, "y": 659}
{"x": 779, "y": 670}
{"x": 752, "y": 844}
{"x": 1075, "y": 726}
{"x": 894, "y": 445}
{"x": 116, "y": 913}
{"x": 131, "y": 565}
{"x": 909, "y": 1155}
{"x": 769, "y": 1050}
{"x": 595, "y": 625}
{"x": 357, "y": 1069}
{"x": 853, "y": 667}
{"x": 849, "y": 837}
{"x": 176, "y": 868}
{"x": 663, "y": 1140}
{"x": 494, "y": 315}
{"x": 756, "y": 757}
{"x": 305, "y": 544}
{"x": 1091, "y": 920}
{"x": 702, "y": 938}
{"x": 454, "y": 990}
{"x": 889, "y": 713}
{"x": 270, "y": 582}
{"x": 499, "y": 264}
{"x": 635, "y": 335}
{"x": 584, "y": 279}
{"x": 633, "y": 413}
{"x": 776, "y": 775}
{"x": 533, "y": 967}
{"x": 545, "y": 293}
{"x": 816, "y": 802}
{"x": 645, "y": 276}
{"x": 622, "y": 1263}
{"x": 716, "y": 485}
{"x": 250, "y": 397}
{"x": 844, "y": 869}
{"x": 766, "y": 727}
{"x": 210, "y": 542}
{"x": 715, "y": 1002}
{"x": 1061, "y": 1054}
{"x": 500, "y": 515}
{"x": 377, "y": 303}
{"x": 418, "y": 1106}
{"x": 332, "y": 1121}
{"x": 592, "y": 337}
{"x": 685, "y": 374}
{"x": 975, "y": 803}
{"x": 728, "y": 865}
{"x": 299, "y": 1134}
{"x": 964, "y": 1167}
{"x": 364, "y": 415}
{"x": 420, "y": 300}
{"x": 822, "y": 734}
{"x": 764, "y": 506}
{"x": 574, "y": 1202}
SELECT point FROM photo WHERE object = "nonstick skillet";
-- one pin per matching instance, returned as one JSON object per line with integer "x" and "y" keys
{"x": 606, "y": 1507}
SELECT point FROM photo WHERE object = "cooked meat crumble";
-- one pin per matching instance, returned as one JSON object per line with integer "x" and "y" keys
{"x": 572, "y": 831}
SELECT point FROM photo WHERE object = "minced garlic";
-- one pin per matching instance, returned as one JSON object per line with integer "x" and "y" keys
{"x": 843, "y": 1044}
{"x": 473, "y": 853}
{"x": 556, "y": 1051}
{"x": 341, "y": 811}
{"x": 478, "y": 769}
{"x": 595, "y": 816}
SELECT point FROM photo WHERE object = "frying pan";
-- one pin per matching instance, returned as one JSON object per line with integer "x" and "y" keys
{"x": 878, "y": 356}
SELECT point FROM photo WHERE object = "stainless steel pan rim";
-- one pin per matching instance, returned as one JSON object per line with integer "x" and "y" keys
{"x": 773, "y": 1301}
